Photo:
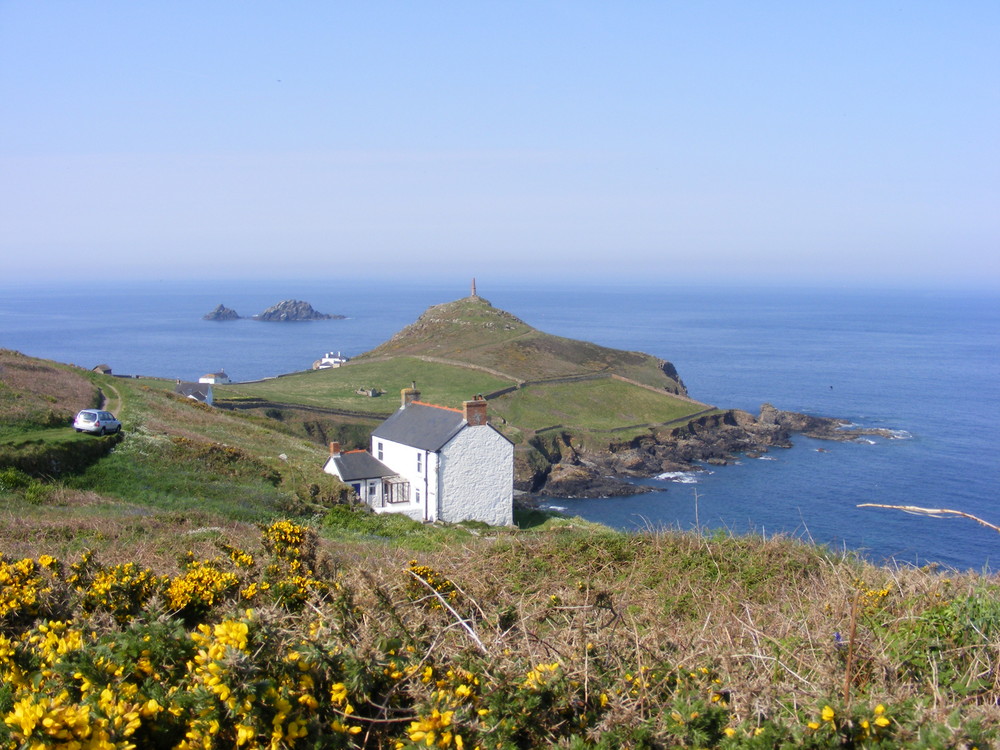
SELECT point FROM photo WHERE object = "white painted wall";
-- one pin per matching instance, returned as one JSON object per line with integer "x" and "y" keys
{"x": 402, "y": 459}
{"x": 471, "y": 479}
{"x": 477, "y": 477}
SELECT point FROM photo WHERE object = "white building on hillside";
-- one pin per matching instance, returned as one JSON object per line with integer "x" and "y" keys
{"x": 201, "y": 392}
{"x": 216, "y": 378}
{"x": 330, "y": 360}
{"x": 433, "y": 464}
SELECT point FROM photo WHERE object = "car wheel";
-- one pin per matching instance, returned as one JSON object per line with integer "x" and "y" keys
{"x": 78, "y": 429}
{"x": 118, "y": 429}
{"x": 100, "y": 432}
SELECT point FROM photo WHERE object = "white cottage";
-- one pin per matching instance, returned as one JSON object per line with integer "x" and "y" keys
{"x": 201, "y": 392}
{"x": 433, "y": 464}
{"x": 217, "y": 378}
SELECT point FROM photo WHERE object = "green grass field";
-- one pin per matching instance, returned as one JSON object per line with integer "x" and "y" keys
{"x": 590, "y": 405}
{"x": 446, "y": 385}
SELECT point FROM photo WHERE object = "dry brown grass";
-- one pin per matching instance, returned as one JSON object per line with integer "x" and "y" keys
{"x": 32, "y": 390}
{"x": 773, "y": 616}
{"x": 787, "y": 627}
{"x": 117, "y": 532}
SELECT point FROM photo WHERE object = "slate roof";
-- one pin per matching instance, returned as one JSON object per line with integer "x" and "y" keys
{"x": 197, "y": 391}
{"x": 421, "y": 425}
{"x": 360, "y": 465}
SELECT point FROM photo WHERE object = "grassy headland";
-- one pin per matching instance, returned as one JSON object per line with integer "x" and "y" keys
{"x": 534, "y": 381}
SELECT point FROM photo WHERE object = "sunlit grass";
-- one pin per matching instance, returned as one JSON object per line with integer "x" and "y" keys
{"x": 447, "y": 385}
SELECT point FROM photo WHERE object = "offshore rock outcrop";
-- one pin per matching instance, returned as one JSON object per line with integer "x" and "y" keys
{"x": 222, "y": 313}
{"x": 293, "y": 310}
{"x": 569, "y": 468}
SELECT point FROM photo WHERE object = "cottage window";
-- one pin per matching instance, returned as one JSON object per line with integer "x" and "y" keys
{"x": 395, "y": 490}
{"x": 417, "y": 496}
{"x": 420, "y": 463}
{"x": 380, "y": 452}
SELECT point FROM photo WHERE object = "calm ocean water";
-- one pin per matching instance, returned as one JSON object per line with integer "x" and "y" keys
{"x": 924, "y": 363}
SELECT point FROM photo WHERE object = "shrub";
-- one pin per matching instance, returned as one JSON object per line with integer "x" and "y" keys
{"x": 277, "y": 647}
{"x": 12, "y": 479}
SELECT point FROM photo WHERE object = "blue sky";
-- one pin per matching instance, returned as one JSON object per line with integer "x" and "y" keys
{"x": 850, "y": 143}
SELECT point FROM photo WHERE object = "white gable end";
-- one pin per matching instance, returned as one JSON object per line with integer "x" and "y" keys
{"x": 477, "y": 477}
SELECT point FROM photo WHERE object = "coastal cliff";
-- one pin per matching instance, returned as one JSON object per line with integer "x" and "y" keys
{"x": 572, "y": 468}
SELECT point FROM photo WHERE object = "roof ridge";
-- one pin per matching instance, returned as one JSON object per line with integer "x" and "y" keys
{"x": 437, "y": 406}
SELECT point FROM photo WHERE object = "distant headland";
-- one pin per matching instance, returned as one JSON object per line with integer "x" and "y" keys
{"x": 288, "y": 311}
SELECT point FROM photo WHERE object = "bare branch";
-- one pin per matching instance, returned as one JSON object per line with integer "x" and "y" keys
{"x": 932, "y": 512}
{"x": 458, "y": 618}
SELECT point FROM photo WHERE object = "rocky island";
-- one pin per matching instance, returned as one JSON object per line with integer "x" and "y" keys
{"x": 222, "y": 313}
{"x": 292, "y": 310}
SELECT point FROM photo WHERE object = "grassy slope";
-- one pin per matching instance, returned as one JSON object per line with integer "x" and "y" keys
{"x": 473, "y": 331}
{"x": 337, "y": 388}
{"x": 597, "y": 404}
{"x": 38, "y": 399}
{"x": 180, "y": 463}
{"x": 461, "y": 348}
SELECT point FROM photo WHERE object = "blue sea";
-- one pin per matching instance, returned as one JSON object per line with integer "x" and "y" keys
{"x": 925, "y": 364}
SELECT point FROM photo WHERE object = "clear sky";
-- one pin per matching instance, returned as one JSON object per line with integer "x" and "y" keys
{"x": 750, "y": 142}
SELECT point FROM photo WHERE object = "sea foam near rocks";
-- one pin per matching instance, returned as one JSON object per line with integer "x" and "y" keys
{"x": 680, "y": 477}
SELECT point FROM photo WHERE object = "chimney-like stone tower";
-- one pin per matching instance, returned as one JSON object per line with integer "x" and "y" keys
{"x": 474, "y": 287}
{"x": 475, "y": 412}
{"x": 409, "y": 395}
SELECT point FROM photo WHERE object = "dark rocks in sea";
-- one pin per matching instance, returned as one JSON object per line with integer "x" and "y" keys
{"x": 292, "y": 310}
{"x": 222, "y": 313}
{"x": 569, "y": 467}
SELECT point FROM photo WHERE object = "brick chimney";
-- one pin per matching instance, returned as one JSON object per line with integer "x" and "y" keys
{"x": 409, "y": 395}
{"x": 475, "y": 412}
{"x": 334, "y": 449}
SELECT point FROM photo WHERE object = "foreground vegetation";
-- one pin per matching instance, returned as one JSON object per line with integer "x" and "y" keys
{"x": 304, "y": 636}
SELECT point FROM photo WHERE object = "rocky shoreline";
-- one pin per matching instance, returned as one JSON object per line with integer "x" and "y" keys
{"x": 571, "y": 469}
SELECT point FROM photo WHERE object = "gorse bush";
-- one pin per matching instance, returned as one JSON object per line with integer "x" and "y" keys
{"x": 283, "y": 646}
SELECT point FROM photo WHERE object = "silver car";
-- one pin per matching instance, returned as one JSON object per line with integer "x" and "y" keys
{"x": 96, "y": 421}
